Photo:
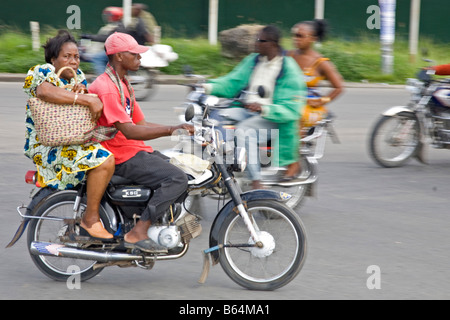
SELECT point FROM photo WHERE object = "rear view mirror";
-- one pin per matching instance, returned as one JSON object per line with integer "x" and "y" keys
{"x": 189, "y": 113}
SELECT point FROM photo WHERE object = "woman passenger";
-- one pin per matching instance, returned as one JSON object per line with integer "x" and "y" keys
{"x": 315, "y": 68}
{"x": 64, "y": 167}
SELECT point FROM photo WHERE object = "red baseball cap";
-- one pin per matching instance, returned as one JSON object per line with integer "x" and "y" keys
{"x": 122, "y": 42}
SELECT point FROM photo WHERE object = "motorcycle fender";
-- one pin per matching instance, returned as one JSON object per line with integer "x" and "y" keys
{"x": 229, "y": 209}
{"x": 392, "y": 111}
{"x": 41, "y": 194}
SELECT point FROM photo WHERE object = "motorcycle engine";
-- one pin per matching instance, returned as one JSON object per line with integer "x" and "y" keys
{"x": 167, "y": 236}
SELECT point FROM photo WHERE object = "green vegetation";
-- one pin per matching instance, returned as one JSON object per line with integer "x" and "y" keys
{"x": 356, "y": 60}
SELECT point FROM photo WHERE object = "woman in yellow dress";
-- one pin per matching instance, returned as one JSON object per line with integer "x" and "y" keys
{"x": 315, "y": 68}
{"x": 64, "y": 167}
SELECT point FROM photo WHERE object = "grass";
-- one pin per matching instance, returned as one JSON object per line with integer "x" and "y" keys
{"x": 357, "y": 60}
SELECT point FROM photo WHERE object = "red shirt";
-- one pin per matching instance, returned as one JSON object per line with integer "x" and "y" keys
{"x": 113, "y": 111}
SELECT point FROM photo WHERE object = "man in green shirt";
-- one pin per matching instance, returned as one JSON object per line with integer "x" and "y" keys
{"x": 279, "y": 109}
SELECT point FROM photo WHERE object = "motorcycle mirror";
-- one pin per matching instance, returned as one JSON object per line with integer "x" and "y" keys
{"x": 261, "y": 91}
{"x": 189, "y": 113}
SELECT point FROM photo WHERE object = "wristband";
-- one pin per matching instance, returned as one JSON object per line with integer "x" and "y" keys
{"x": 76, "y": 97}
{"x": 325, "y": 99}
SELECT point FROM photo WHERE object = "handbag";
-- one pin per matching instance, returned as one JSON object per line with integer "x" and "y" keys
{"x": 66, "y": 124}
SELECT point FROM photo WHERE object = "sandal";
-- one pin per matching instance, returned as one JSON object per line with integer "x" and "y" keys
{"x": 83, "y": 232}
{"x": 147, "y": 245}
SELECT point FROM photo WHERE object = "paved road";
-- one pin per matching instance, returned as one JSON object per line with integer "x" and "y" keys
{"x": 394, "y": 219}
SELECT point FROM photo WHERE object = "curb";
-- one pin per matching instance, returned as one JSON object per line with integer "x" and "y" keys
{"x": 181, "y": 79}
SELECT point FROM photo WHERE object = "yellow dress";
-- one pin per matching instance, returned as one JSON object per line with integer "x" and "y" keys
{"x": 310, "y": 115}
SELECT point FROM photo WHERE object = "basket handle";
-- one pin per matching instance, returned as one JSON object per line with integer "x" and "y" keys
{"x": 74, "y": 75}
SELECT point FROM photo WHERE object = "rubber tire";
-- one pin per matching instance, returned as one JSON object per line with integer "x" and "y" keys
{"x": 299, "y": 259}
{"x": 373, "y": 153}
{"x": 41, "y": 209}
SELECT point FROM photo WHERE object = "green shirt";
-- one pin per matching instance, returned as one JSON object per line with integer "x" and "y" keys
{"x": 289, "y": 97}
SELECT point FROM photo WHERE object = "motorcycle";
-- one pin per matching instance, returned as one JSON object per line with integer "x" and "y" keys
{"x": 312, "y": 148}
{"x": 402, "y": 131}
{"x": 259, "y": 242}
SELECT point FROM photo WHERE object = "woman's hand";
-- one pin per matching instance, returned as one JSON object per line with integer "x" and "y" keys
{"x": 79, "y": 88}
{"x": 315, "y": 103}
{"x": 96, "y": 107}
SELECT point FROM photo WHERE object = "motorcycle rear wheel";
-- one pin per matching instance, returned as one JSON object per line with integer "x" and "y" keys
{"x": 395, "y": 139}
{"x": 283, "y": 254}
{"x": 57, "y": 268}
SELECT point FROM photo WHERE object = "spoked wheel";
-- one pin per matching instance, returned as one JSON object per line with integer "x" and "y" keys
{"x": 59, "y": 205}
{"x": 395, "y": 139}
{"x": 282, "y": 255}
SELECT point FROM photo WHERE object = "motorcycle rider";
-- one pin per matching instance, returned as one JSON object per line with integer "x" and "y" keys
{"x": 135, "y": 160}
{"x": 64, "y": 167}
{"x": 316, "y": 68}
{"x": 279, "y": 109}
{"x": 142, "y": 24}
{"x": 112, "y": 16}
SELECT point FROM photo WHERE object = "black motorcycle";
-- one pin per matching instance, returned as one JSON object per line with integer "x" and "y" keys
{"x": 259, "y": 241}
{"x": 402, "y": 131}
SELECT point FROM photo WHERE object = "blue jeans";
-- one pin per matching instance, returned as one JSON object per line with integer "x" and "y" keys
{"x": 251, "y": 131}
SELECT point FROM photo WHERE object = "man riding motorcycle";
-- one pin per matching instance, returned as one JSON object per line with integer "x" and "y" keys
{"x": 285, "y": 94}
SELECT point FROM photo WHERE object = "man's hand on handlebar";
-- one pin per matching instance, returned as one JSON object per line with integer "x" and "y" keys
{"x": 254, "y": 107}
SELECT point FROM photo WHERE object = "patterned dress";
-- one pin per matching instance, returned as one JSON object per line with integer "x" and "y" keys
{"x": 61, "y": 167}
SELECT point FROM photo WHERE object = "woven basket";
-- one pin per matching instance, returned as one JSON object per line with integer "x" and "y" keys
{"x": 61, "y": 124}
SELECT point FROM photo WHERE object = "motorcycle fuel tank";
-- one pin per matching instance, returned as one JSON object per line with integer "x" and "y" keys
{"x": 442, "y": 95}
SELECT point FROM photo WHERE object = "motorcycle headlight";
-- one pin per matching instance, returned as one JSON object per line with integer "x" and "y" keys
{"x": 240, "y": 159}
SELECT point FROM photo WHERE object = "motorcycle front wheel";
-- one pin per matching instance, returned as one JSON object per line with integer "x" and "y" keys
{"x": 59, "y": 205}
{"x": 284, "y": 246}
{"x": 395, "y": 139}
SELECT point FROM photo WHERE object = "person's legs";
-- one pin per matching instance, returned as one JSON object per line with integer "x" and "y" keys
{"x": 167, "y": 181}
{"x": 97, "y": 181}
{"x": 250, "y": 133}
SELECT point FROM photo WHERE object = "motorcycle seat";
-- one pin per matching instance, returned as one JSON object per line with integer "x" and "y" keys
{"x": 118, "y": 180}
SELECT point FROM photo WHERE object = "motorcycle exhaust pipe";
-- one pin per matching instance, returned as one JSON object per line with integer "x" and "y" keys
{"x": 59, "y": 250}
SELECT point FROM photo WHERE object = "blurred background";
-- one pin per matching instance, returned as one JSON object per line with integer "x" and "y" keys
{"x": 351, "y": 44}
